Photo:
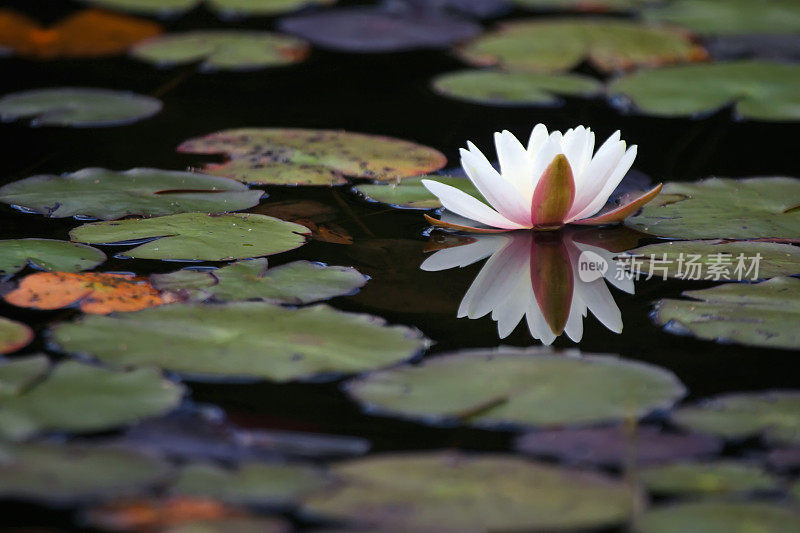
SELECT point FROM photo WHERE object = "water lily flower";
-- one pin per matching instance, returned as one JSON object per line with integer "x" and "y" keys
{"x": 550, "y": 279}
{"x": 554, "y": 181}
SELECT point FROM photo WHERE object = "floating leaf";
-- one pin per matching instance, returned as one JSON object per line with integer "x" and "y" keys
{"x": 723, "y": 208}
{"x": 18, "y": 374}
{"x": 379, "y": 29}
{"x": 445, "y": 491}
{"x": 225, "y": 8}
{"x": 532, "y": 386}
{"x": 557, "y": 45}
{"x": 772, "y": 47}
{"x": 109, "y": 194}
{"x": 223, "y": 49}
{"x": 719, "y": 517}
{"x": 490, "y": 87}
{"x": 412, "y": 194}
{"x": 473, "y": 8}
{"x": 96, "y": 293}
{"x": 617, "y": 446}
{"x": 760, "y": 314}
{"x": 78, "y": 397}
{"x": 773, "y": 414}
{"x": 13, "y": 335}
{"x": 87, "y": 33}
{"x": 582, "y": 5}
{"x": 68, "y": 473}
{"x": 707, "y": 478}
{"x": 264, "y": 171}
{"x": 78, "y": 107}
{"x": 351, "y": 154}
{"x": 784, "y": 459}
{"x": 145, "y": 514}
{"x": 252, "y": 339}
{"x": 47, "y": 254}
{"x": 758, "y": 90}
{"x": 250, "y": 483}
{"x": 729, "y": 17}
{"x": 197, "y": 236}
{"x": 299, "y": 282}
{"x": 235, "y": 525}
{"x": 316, "y": 216}
{"x": 715, "y": 259}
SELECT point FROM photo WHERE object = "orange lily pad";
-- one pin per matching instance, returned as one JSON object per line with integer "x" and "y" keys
{"x": 95, "y": 293}
{"x": 87, "y": 33}
{"x": 137, "y": 514}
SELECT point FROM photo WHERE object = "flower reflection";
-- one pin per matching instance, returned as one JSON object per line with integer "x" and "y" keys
{"x": 549, "y": 279}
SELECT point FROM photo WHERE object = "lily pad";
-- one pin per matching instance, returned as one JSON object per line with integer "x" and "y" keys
{"x": 489, "y": 87}
{"x": 78, "y": 397}
{"x": 14, "y": 335}
{"x": 718, "y": 477}
{"x": 110, "y": 194}
{"x": 78, "y": 107}
{"x": 297, "y": 283}
{"x": 96, "y": 293}
{"x": 234, "y": 525}
{"x": 559, "y": 45}
{"x": 380, "y": 29}
{"x": 519, "y": 386}
{"x": 446, "y": 491}
{"x": 729, "y": 17}
{"x": 774, "y": 414}
{"x": 582, "y": 5}
{"x": 18, "y": 374}
{"x": 225, "y": 8}
{"x": 149, "y": 513}
{"x": 762, "y": 314}
{"x": 410, "y": 193}
{"x": 250, "y": 483}
{"x": 617, "y": 446}
{"x": 715, "y": 259}
{"x": 68, "y": 473}
{"x": 250, "y": 340}
{"x": 318, "y": 217}
{"x": 262, "y": 170}
{"x": 47, "y": 254}
{"x": 197, "y": 236}
{"x": 719, "y": 517}
{"x": 758, "y": 90}
{"x": 350, "y": 154}
{"x": 223, "y": 49}
{"x": 724, "y": 208}
{"x": 86, "y": 33}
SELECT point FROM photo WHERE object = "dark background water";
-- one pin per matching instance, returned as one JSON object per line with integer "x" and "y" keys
{"x": 383, "y": 94}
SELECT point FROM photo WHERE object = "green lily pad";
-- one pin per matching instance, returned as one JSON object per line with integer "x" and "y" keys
{"x": 343, "y": 153}
{"x": 299, "y": 282}
{"x": 197, "y": 236}
{"x": 758, "y": 90}
{"x": 719, "y": 517}
{"x": 558, "y": 45}
{"x": 233, "y": 525}
{"x": 773, "y": 414}
{"x": 68, "y": 473}
{"x": 410, "y": 193}
{"x": 221, "y": 7}
{"x": 251, "y": 340}
{"x": 249, "y": 483}
{"x": 78, "y": 107}
{"x": 762, "y": 314}
{"x": 715, "y": 259}
{"x": 532, "y": 386}
{"x": 490, "y": 87}
{"x": 109, "y": 194}
{"x": 723, "y": 208}
{"x": 446, "y": 491}
{"x": 263, "y": 171}
{"x": 77, "y": 397}
{"x": 729, "y": 17}
{"x": 47, "y": 254}
{"x": 707, "y": 478}
{"x": 222, "y": 49}
{"x": 13, "y": 335}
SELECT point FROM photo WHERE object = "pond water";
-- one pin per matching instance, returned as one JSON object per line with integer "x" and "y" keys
{"x": 386, "y": 94}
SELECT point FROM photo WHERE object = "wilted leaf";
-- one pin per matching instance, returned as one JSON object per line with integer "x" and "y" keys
{"x": 718, "y": 517}
{"x": 690, "y": 478}
{"x": 109, "y": 194}
{"x": 78, "y": 107}
{"x": 97, "y": 293}
{"x": 315, "y": 216}
{"x": 197, "y": 236}
{"x": 47, "y": 254}
{"x": 729, "y": 17}
{"x": 140, "y": 514}
{"x": 13, "y": 335}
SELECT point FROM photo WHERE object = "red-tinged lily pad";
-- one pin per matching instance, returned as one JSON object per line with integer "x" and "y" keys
{"x": 47, "y": 254}
{"x": 728, "y": 17}
{"x": 317, "y": 217}
{"x": 161, "y": 514}
{"x": 332, "y": 152}
{"x": 558, "y": 45}
{"x": 380, "y": 30}
{"x": 87, "y": 33}
{"x": 222, "y": 50}
{"x": 13, "y": 335}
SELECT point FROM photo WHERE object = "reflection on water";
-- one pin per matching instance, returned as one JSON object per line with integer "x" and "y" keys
{"x": 551, "y": 279}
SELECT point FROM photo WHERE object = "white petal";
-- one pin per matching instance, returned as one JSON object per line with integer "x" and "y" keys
{"x": 465, "y": 205}
{"x": 537, "y": 324}
{"x": 591, "y": 181}
{"x": 616, "y": 175}
{"x": 574, "y": 145}
{"x": 461, "y": 256}
{"x": 550, "y": 149}
{"x": 499, "y": 278}
{"x": 602, "y": 305}
{"x": 538, "y": 136}
{"x": 515, "y": 165}
{"x": 501, "y": 194}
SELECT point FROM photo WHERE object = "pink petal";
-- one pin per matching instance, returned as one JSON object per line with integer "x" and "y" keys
{"x": 618, "y": 214}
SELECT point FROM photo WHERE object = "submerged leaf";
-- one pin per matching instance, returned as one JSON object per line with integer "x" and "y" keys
{"x": 78, "y": 107}
{"x": 14, "y": 335}
{"x": 717, "y": 517}
{"x": 47, "y": 254}
{"x": 729, "y": 17}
